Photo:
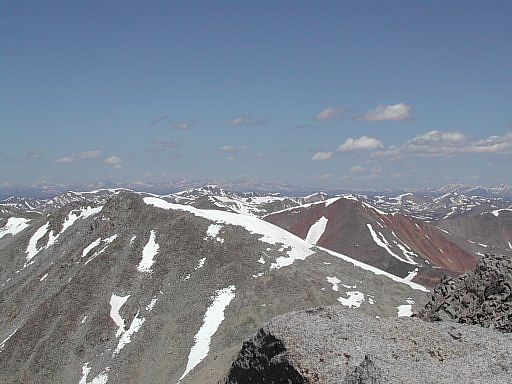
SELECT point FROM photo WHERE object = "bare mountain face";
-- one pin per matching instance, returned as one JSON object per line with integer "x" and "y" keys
{"x": 141, "y": 289}
{"x": 406, "y": 247}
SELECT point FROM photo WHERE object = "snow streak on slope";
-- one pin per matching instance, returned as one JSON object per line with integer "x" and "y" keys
{"x": 385, "y": 245}
{"x": 2, "y": 344}
{"x": 497, "y": 211}
{"x": 374, "y": 270}
{"x": 107, "y": 242}
{"x": 127, "y": 336}
{"x": 116, "y": 302}
{"x": 148, "y": 254}
{"x": 94, "y": 244}
{"x": 13, "y": 226}
{"x": 212, "y": 319}
{"x": 83, "y": 213}
{"x": 32, "y": 249}
{"x": 316, "y": 230}
{"x": 270, "y": 233}
{"x": 85, "y": 372}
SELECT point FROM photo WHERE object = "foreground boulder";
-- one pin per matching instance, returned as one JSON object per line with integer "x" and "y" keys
{"x": 337, "y": 345}
{"x": 482, "y": 297}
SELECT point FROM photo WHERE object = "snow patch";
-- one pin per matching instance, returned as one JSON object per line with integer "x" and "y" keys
{"x": 354, "y": 299}
{"x": 212, "y": 319}
{"x": 213, "y": 232}
{"x": 316, "y": 230}
{"x": 411, "y": 275}
{"x": 148, "y": 254}
{"x": 85, "y": 372}
{"x": 94, "y": 244}
{"x": 13, "y": 226}
{"x": 334, "y": 281}
{"x": 200, "y": 264}
{"x": 406, "y": 309}
{"x": 126, "y": 337}
{"x": 83, "y": 213}
{"x": 151, "y": 305}
{"x": 32, "y": 249}
{"x": 44, "y": 277}
{"x": 116, "y": 302}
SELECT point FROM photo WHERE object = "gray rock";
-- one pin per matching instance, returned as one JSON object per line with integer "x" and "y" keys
{"x": 336, "y": 345}
{"x": 482, "y": 297}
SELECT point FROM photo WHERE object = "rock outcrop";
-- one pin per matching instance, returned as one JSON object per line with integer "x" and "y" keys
{"x": 482, "y": 297}
{"x": 338, "y": 345}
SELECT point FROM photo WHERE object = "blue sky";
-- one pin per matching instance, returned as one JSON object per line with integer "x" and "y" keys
{"x": 330, "y": 94}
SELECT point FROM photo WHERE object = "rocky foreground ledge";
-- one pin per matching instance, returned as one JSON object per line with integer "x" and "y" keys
{"x": 338, "y": 345}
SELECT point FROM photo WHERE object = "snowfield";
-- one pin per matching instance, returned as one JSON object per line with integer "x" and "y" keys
{"x": 14, "y": 226}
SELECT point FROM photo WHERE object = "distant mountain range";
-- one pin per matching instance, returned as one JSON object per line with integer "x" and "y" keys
{"x": 116, "y": 286}
{"x": 49, "y": 190}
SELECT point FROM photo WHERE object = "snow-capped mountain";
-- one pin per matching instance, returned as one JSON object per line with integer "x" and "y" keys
{"x": 140, "y": 289}
{"x": 115, "y": 286}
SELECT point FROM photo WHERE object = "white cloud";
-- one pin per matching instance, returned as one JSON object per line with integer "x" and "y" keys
{"x": 232, "y": 148}
{"x": 181, "y": 125}
{"x": 320, "y": 156}
{"x": 248, "y": 121}
{"x": 113, "y": 160}
{"x": 329, "y": 113}
{"x": 364, "y": 143}
{"x": 447, "y": 144}
{"x": 86, "y": 155}
{"x": 395, "y": 112}
{"x": 325, "y": 176}
{"x": 357, "y": 169}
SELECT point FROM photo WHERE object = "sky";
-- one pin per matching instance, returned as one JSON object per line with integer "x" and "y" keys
{"x": 341, "y": 94}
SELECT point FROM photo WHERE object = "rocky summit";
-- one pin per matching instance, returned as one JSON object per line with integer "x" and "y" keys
{"x": 335, "y": 345}
{"x": 482, "y": 297}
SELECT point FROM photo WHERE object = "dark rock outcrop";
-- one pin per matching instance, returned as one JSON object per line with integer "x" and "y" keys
{"x": 482, "y": 297}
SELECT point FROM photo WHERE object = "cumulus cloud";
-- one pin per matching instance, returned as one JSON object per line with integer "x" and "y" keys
{"x": 232, "y": 148}
{"x": 447, "y": 144}
{"x": 249, "y": 121}
{"x": 320, "y": 156}
{"x": 113, "y": 160}
{"x": 357, "y": 169}
{"x": 395, "y": 112}
{"x": 329, "y": 113}
{"x": 86, "y": 155}
{"x": 168, "y": 121}
{"x": 364, "y": 143}
{"x": 181, "y": 125}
